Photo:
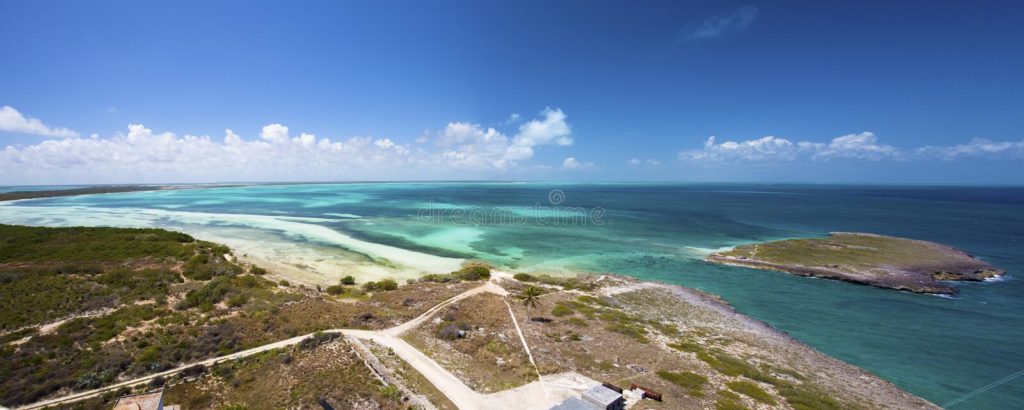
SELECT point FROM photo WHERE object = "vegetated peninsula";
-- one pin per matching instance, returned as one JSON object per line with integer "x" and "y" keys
{"x": 88, "y": 315}
{"x": 99, "y": 189}
{"x": 876, "y": 260}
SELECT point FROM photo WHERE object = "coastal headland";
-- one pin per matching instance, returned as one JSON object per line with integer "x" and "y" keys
{"x": 95, "y": 313}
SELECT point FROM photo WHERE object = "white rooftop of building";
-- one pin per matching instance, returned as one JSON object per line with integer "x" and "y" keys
{"x": 601, "y": 396}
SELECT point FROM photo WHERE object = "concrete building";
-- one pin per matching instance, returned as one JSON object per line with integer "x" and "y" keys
{"x": 604, "y": 398}
{"x": 574, "y": 403}
{"x": 597, "y": 398}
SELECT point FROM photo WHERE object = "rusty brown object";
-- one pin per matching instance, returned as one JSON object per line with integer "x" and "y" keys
{"x": 648, "y": 393}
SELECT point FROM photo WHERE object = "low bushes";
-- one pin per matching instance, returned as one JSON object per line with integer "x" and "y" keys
{"x": 731, "y": 366}
{"x": 317, "y": 339}
{"x": 751, "y": 390}
{"x": 561, "y": 310}
{"x": 206, "y": 296}
{"x": 524, "y": 277}
{"x": 692, "y": 382}
{"x": 471, "y": 273}
{"x": 35, "y": 244}
{"x": 566, "y": 282}
{"x": 335, "y": 290}
{"x": 205, "y": 267}
{"x": 638, "y": 333}
{"x": 800, "y": 396}
{"x": 687, "y": 345}
{"x": 193, "y": 371}
{"x": 728, "y": 400}
{"x": 381, "y": 285}
{"x": 236, "y": 290}
{"x": 806, "y": 398}
{"x": 237, "y": 300}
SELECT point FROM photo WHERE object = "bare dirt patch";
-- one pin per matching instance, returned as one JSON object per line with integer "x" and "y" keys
{"x": 475, "y": 339}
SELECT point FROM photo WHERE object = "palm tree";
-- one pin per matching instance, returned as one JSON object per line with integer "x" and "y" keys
{"x": 530, "y": 298}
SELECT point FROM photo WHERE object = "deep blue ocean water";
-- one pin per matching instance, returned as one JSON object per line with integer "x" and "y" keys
{"x": 938, "y": 348}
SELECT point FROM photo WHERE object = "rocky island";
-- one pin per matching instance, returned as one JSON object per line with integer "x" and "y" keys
{"x": 876, "y": 260}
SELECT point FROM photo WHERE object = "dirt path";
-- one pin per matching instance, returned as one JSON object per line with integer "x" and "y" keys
{"x": 453, "y": 388}
{"x": 412, "y": 324}
{"x": 387, "y": 376}
{"x": 47, "y": 328}
{"x": 535, "y": 395}
{"x": 526, "y": 346}
{"x": 93, "y": 393}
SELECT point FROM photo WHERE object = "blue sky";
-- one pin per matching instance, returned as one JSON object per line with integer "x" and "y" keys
{"x": 794, "y": 91}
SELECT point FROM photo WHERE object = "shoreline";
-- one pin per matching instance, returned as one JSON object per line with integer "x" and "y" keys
{"x": 651, "y": 306}
{"x": 855, "y": 372}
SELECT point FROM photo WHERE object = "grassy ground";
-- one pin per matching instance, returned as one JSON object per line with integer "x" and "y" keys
{"x": 475, "y": 338}
{"x": 639, "y": 337}
{"x": 137, "y": 301}
{"x": 882, "y": 261}
{"x": 301, "y": 377}
{"x": 141, "y": 301}
{"x": 699, "y": 355}
{"x": 722, "y": 364}
{"x": 872, "y": 254}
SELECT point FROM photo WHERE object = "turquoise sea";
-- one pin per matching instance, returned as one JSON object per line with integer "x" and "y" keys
{"x": 938, "y": 348}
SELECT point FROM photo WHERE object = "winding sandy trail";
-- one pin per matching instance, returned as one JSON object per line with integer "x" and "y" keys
{"x": 526, "y": 346}
{"x": 453, "y": 388}
{"x": 535, "y": 395}
{"x": 145, "y": 379}
{"x": 412, "y": 324}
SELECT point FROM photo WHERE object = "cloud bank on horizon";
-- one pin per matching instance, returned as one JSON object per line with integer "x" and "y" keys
{"x": 461, "y": 150}
{"x": 860, "y": 146}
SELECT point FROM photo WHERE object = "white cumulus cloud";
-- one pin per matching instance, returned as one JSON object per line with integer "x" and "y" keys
{"x": 978, "y": 147}
{"x": 142, "y": 155}
{"x": 859, "y": 146}
{"x": 13, "y": 121}
{"x": 274, "y": 133}
{"x": 649, "y": 162}
{"x": 761, "y": 149}
{"x": 573, "y": 163}
{"x": 469, "y": 143}
{"x": 552, "y": 129}
{"x": 864, "y": 146}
